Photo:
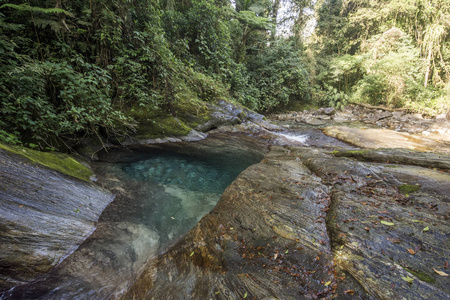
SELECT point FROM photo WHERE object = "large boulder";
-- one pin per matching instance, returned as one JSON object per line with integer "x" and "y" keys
{"x": 44, "y": 214}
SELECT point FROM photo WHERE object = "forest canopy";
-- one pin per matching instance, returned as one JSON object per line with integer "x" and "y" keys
{"x": 73, "y": 69}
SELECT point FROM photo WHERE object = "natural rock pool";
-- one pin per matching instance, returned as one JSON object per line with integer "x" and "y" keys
{"x": 180, "y": 188}
{"x": 161, "y": 193}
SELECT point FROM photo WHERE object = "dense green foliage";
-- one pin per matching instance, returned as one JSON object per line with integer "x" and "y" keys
{"x": 73, "y": 69}
{"x": 394, "y": 53}
{"x": 76, "y": 69}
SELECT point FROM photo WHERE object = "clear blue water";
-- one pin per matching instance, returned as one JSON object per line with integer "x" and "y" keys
{"x": 176, "y": 190}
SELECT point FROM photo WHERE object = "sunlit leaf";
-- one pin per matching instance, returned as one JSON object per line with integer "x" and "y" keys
{"x": 440, "y": 272}
{"x": 387, "y": 223}
{"x": 408, "y": 279}
{"x": 426, "y": 228}
{"x": 192, "y": 253}
{"x": 245, "y": 295}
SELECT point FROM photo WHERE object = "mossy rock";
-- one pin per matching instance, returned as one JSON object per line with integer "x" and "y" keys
{"x": 408, "y": 188}
{"x": 422, "y": 276}
{"x": 161, "y": 126}
{"x": 60, "y": 162}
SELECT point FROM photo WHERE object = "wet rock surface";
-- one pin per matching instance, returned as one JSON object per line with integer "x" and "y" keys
{"x": 316, "y": 218}
{"x": 307, "y": 224}
{"x": 44, "y": 217}
{"x": 311, "y": 223}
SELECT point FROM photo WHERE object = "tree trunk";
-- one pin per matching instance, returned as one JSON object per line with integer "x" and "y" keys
{"x": 427, "y": 72}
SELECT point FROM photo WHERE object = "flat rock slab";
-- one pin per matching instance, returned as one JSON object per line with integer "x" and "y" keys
{"x": 44, "y": 217}
{"x": 384, "y": 138}
{"x": 400, "y": 156}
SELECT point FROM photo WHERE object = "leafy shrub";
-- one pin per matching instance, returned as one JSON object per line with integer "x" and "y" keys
{"x": 335, "y": 98}
{"x": 49, "y": 100}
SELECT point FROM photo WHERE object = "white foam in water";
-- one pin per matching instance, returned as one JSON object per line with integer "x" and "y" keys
{"x": 298, "y": 138}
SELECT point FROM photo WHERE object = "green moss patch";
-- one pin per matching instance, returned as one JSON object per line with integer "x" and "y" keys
{"x": 408, "y": 188}
{"x": 422, "y": 276}
{"x": 161, "y": 126}
{"x": 54, "y": 160}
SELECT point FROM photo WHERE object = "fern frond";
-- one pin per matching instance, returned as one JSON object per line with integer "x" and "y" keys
{"x": 54, "y": 25}
{"x": 36, "y": 9}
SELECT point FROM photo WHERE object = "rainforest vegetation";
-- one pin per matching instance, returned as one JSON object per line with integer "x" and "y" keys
{"x": 74, "y": 69}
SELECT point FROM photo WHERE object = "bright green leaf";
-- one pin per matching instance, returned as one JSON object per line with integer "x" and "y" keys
{"x": 192, "y": 253}
{"x": 327, "y": 283}
{"x": 245, "y": 295}
{"x": 387, "y": 223}
{"x": 408, "y": 279}
{"x": 426, "y": 228}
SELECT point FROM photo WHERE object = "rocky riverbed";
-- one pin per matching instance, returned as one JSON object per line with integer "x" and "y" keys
{"x": 333, "y": 210}
{"x": 310, "y": 223}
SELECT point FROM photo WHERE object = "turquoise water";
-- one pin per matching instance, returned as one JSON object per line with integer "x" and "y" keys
{"x": 177, "y": 190}
{"x": 184, "y": 173}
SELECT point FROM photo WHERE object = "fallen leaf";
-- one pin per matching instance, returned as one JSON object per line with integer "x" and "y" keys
{"x": 367, "y": 228}
{"x": 172, "y": 218}
{"x": 192, "y": 253}
{"x": 393, "y": 240}
{"x": 275, "y": 256}
{"x": 440, "y": 272}
{"x": 387, "y": 223}
{"x": 426, "y": 228}
{"x": 217, "y": 293}
{"x": 408, "y": 279}
{"x": 411, "y": 251}
{"x": 417, "y": 221}
{"x": 350, "y": 292}
{"x": 327, "y": 283}
{"x": 286, "y": 251}
{"x": 446, "y": 265}
{"x": 245, "y": 295}
{"x": 20, "y": 205}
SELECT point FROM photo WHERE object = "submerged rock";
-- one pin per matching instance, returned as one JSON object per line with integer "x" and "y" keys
{"x": 44, "y": 217}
